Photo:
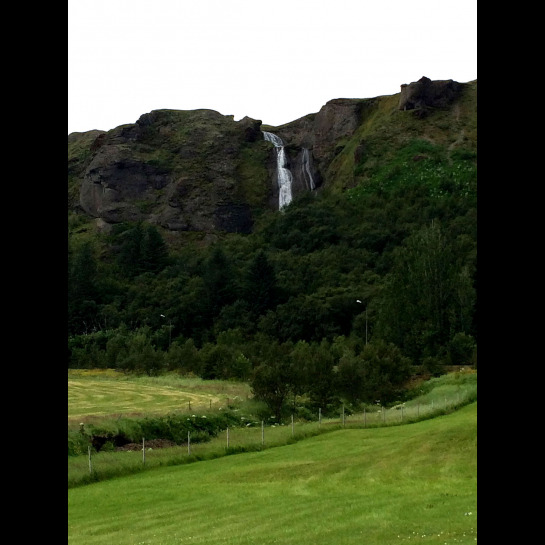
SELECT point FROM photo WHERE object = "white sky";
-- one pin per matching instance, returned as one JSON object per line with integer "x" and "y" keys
{"x": 273, "y": 60}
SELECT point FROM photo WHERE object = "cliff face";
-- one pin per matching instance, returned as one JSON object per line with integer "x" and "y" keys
{"x": 202, "y": 171}
{"x": 184, "y": 170}
{"x": 323, "y": 134}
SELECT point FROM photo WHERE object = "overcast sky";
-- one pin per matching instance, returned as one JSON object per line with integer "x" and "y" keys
{"x": 273, "y": 60}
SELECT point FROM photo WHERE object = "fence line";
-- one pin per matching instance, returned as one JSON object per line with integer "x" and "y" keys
{"x": 246, "y": 437}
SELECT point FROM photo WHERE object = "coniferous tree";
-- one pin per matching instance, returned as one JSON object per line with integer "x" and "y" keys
{"x": 82, "y": 290}
{"x": 260, "y": 287}
{"x": 130, "y": 254}
{"x": 154, "y": 252}
{"x": 218, "y": 281}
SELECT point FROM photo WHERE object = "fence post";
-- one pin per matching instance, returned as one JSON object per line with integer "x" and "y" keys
{"x": 320, "y": 416}
{"x": 401, "y": 413}
{"x": 364, "y": 418}
{"x": 383, "y": 414}
{"x": 90, "y": 465}
{"x": 227, "y": 436}
{"x": 188, "y": 444}
{"x": 418, "y": 410}
{"x": 343, "y": 415}
{"x": 292, "y": 423}
{"x": 143, "y": 452}
{"x": 262, "y": 433}
{"x": 189, "y": 402}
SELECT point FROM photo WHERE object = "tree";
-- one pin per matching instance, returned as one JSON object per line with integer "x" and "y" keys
{"x": 218, "y": 281}
{"x": 190, "y": 359}
{"x": 217, "y": 361}
{"x": 321, "y": 376}
{"x": 116, "y": 347}
{"x": 154, "y": 252}
{"x": 378, "y": 372}
{"x": 350, "y": 377}
{"x": 300, "y": 358}
{"x": 141, "y": 356}
{"x": 272, "y": 379}
{"x": 82, "y": 290}
{"x": 130, "y": 252}
{"x": 271, "y": 384}
{"x": 420, "y": 296}
{"x": 260, "y": 285}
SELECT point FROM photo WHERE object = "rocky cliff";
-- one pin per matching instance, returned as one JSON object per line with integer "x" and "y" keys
{"x": 184, "y": 170}
{"x": 202, "y": 171}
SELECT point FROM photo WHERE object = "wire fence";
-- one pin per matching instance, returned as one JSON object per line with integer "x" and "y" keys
{"x": 257, "y": 435}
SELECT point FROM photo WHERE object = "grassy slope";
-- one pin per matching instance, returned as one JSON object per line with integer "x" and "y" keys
{"x": 385, "y": 131}
{"x": 373, "y": 486}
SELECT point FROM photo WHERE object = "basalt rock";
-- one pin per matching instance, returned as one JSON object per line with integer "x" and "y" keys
{"x": 200, "y": 170}
{"x": 183, "y": 170}
{"x": 426, "y": 93}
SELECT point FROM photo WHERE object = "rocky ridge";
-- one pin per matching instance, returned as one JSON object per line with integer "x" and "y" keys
{"x": 202, "y": 171}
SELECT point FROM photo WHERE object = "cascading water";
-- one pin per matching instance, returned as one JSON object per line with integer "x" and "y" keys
{"x": 305, "y": 168}
{"x": 283, "y": 173}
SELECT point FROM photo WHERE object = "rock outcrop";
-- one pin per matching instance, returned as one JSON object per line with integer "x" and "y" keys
{"x": 426, "y": 93}
{"x": 183, "y": 170}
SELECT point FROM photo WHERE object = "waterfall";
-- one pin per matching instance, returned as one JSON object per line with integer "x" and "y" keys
{"x": 305, "y": 169}
{"x": 283, "y": 173}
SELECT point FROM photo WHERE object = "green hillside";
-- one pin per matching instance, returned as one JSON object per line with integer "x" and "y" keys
{"x": 402, "y": 484}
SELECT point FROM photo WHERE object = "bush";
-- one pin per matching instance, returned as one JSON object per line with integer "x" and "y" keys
{"x": 173, "y": 427}
{"x": 78, "y": 443}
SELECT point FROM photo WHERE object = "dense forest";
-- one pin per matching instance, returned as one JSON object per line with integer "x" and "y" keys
{"x": 341, "y": 295}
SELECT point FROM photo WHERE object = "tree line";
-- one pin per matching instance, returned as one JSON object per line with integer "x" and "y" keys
{"x": 337, "y": 296}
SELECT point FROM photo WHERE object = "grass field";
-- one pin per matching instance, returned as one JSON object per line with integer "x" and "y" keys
{"x": 385, "y": 485}
{"x": 99, "y": 393}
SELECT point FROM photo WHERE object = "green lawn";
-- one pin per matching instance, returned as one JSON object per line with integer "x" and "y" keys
{"x": 403, "y": 484}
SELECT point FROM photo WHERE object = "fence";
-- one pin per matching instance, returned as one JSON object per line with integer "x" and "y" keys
{"x": 252, "y": 435}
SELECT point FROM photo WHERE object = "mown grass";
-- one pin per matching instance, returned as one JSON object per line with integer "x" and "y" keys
{"x": 99, "y": 393}
{"x": 385, "y": 485}
{"x": 436, "y": 396}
